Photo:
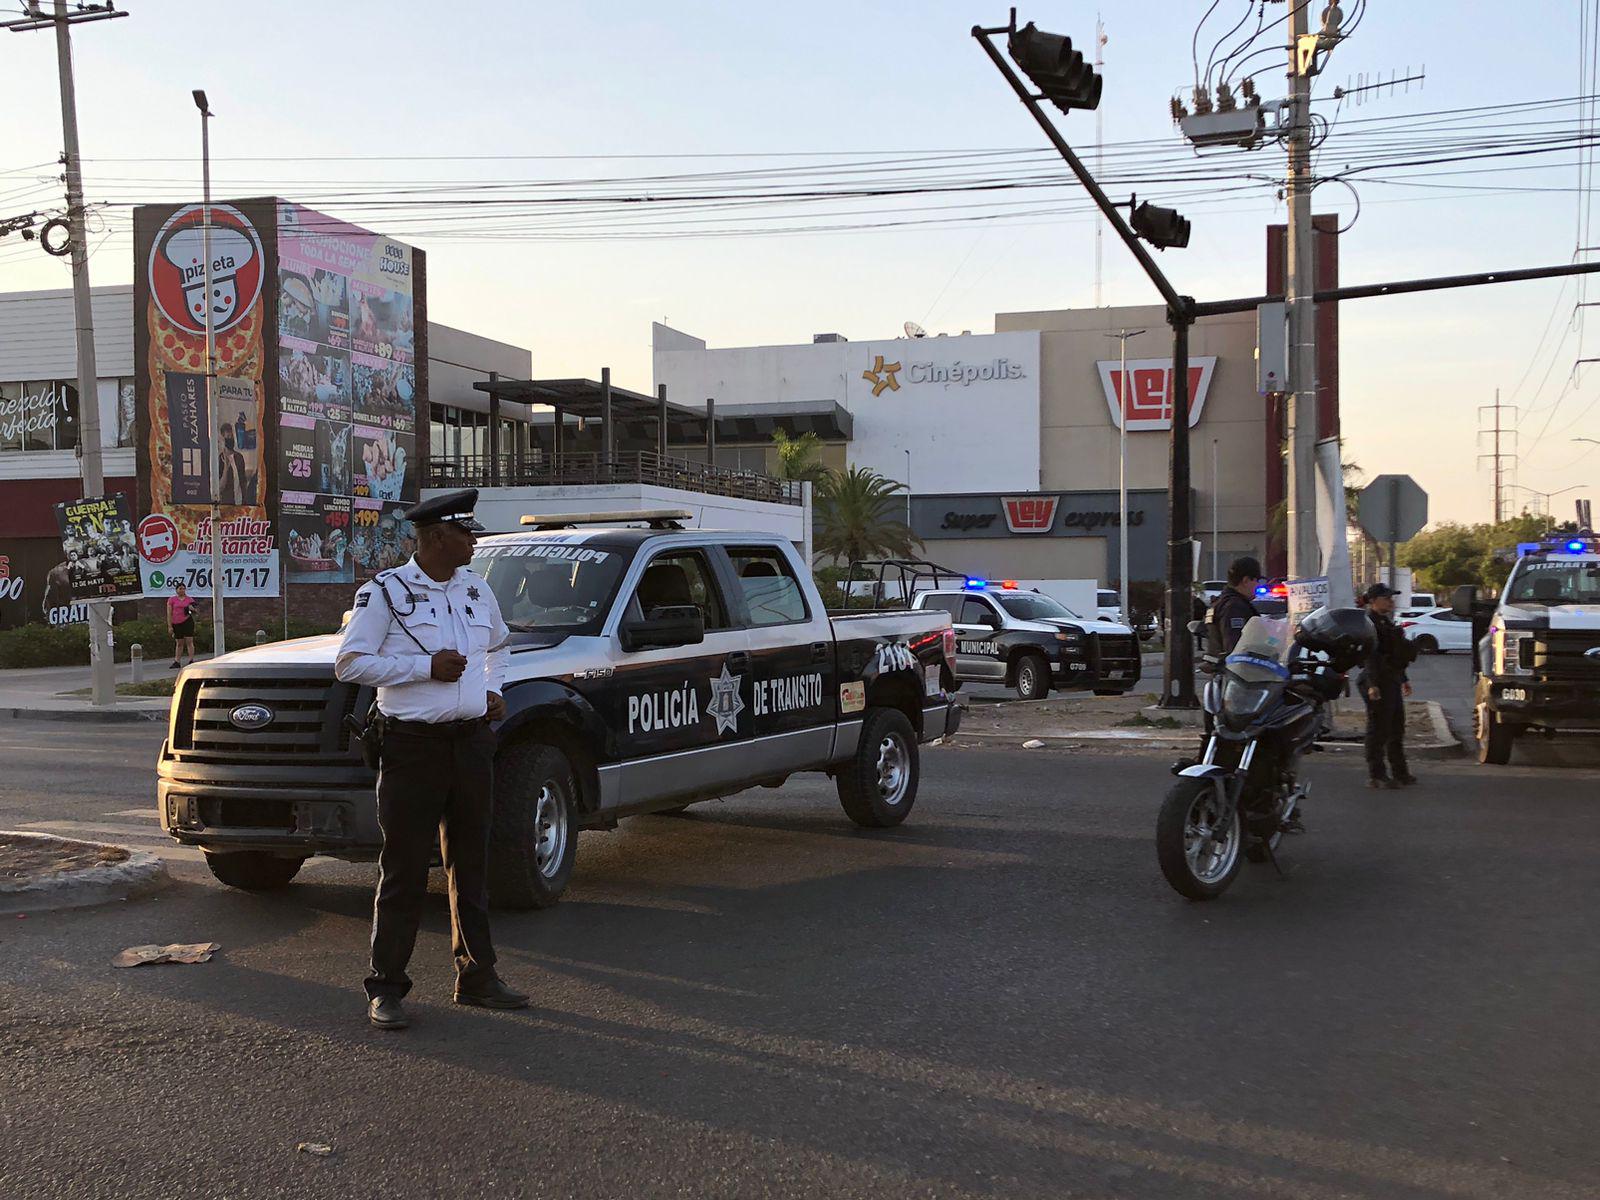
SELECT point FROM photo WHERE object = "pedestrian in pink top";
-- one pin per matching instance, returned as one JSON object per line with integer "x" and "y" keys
{"x": 180, "y": 615}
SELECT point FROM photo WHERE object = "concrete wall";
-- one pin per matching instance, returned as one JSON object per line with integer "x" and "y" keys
{"x": 458, "y": 359}
{"x": 1022, "y": 558}
{"x": 1079, "y": 437}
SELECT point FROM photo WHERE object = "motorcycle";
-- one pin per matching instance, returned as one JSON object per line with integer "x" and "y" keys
{"x": 1268, "y": 701}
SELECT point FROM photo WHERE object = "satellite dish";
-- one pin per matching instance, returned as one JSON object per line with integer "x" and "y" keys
{"x": 913, "y": 330}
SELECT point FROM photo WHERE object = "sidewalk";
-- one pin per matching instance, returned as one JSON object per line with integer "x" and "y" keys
{"x": 45, "y": 694}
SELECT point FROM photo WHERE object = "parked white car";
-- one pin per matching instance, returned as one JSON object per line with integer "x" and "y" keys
{"x": 1437, "y": 630}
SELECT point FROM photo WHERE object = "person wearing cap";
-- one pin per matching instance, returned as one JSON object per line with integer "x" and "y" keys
{"x": 429, "y": 636}
{"x": 1384, "y": 684}
{"x": 1231, "y": 611}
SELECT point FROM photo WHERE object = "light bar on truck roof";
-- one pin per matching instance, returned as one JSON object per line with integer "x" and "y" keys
{"x": 656, "y": 517}
{"x": 976, "y": 585}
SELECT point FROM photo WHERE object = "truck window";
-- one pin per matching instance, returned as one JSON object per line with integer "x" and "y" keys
{"x": 1029, "y": 606}
{"x": 1555, "y": 582}
{"x": 942, "y": 603}
{"x": 772, "y": 594}
{"x": 548, "y": 586}
{"x": 973, "y": 611}
{"x": 676, "y": 578}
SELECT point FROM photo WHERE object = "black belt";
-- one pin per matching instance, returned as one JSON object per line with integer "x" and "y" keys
{"x": 435, "y": 729}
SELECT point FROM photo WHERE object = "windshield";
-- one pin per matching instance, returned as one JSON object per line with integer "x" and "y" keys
{"x": 1262, "y": 651}
{"x": 546, "y": 585}
{"x": 1034, "y": 606}
{"x": 1570, "y": 581}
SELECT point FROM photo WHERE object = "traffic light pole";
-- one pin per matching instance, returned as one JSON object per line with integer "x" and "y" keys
{"x": 1178, "y": 685}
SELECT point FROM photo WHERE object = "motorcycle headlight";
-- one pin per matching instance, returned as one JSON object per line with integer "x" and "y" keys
{"x": 1243, "y": 702}
{"x": 1513, "y": 648}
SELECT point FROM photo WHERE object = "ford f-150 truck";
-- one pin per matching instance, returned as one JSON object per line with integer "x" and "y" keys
{"x": 1537, "y": 652}
{"x": 1028, "y": 641}
{"x": 650, "y": 668}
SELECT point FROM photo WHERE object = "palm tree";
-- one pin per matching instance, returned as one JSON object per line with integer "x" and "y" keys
{"x": 858, "y": 516}
{"x": 797, "y": 457}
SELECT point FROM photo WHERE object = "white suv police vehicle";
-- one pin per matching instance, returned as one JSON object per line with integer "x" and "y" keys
{"x": 650, "y": 668}
{"x": 1029, "y": 641}
{"x": 1537, "y": 653}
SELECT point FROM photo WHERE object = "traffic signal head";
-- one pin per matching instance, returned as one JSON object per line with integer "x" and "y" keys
{"x": 1055, "y": 68}
{"x": 1161, "y": 227}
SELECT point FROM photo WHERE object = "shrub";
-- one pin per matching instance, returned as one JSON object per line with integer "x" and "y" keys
{"x": 68, "y": 645}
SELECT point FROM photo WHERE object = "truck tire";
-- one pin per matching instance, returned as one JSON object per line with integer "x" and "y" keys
{"x": 878, "y": 786}
{"x": 253, "y": 870}
{"x": 533, "y": 836}
{"x": 1033, "y": 677}
{"x": 1495, "y": 736}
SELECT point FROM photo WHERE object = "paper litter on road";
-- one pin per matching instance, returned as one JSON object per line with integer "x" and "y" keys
{"x": 178, "y": 952}
{"x": 1033, "y": 744}
{"x": 320, "y": 1149}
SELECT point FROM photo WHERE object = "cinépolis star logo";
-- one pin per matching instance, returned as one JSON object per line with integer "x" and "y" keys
{"x": 725, "y": 704}
{"x": 882, "y": 375}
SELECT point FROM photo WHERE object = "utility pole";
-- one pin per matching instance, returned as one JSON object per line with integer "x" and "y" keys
{"x": 1498, "y": 458}
{"x": 1304, "y": 559}
{"x": 219, "y": 639}
{"x": 1099, "y": 169}
{"x": 1122, "y": 473}
{"x": 102, "y": 663}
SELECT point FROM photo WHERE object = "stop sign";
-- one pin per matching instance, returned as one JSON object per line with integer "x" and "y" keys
{"x": 1393, "y": 508}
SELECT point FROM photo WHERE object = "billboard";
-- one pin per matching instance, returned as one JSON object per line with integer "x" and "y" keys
{"x": 321, "y": 377}
{"x": 98, "y": 548}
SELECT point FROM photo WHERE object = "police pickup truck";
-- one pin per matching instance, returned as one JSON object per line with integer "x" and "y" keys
{"x": 1537, "y": 652}
{"x": 1028, "y": 641}
{"x": 649, "y": 668}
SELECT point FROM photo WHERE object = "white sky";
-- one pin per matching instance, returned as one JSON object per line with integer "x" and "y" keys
{"x": 294, "y": 79}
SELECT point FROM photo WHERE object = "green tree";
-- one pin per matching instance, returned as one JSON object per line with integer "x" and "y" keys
{"x": 797, "y": 457}
{"x": 859, "y": 515}
{"x": 1453, "y": 554}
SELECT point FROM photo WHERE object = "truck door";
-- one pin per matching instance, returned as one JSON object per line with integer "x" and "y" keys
{"x": 977, "y": 627}
{"x": 795, "y": 691}
{"x": 682, "y": 713}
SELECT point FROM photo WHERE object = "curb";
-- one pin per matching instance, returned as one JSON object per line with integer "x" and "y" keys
{"x": 87, "y": 714}
{"x": 141, "y": 873}
{"x": 1442, "y": 749}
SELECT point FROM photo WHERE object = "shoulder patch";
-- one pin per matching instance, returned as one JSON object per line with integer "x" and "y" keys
{"x": 363, "y": 598}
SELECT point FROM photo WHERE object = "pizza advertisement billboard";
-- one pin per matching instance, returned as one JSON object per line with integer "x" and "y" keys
{"x": 350, "y": 381}
{"x": 177, "y": 447}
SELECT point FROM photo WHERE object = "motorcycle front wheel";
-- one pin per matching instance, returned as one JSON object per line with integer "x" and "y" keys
{"x": 1198, "y": 850}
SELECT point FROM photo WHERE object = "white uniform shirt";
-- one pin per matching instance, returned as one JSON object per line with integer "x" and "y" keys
{"x": 460, "y": 614}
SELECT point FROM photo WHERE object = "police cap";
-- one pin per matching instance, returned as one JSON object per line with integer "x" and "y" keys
{"x": 454, "y": 508}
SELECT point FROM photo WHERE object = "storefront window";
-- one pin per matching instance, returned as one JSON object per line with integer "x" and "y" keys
{"x": 38, "y": 414}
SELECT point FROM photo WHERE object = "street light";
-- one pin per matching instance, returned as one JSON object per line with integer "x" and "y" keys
{"x": 1122, "y": 474}
{"x": 1548, "y": 495}
{"x": 218, "y": 636}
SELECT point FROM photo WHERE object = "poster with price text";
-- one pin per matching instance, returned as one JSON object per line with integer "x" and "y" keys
{"x": 316, "y": 538}
{"x": 167, "y": 558}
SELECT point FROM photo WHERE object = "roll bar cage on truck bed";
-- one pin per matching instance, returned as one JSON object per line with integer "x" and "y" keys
{"x": 912, "y": 575}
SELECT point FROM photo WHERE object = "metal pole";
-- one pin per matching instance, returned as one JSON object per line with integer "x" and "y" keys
{"x": 1122, "y": 472}
{"x": 711, "y": 432}
{"x": 908, "y": 489}
{"x": 608, "y": 443}
{"x": 1299, "y": 286}
{"x": 102, "y": 664}
{"x": 213, "y": 424}
{"x": 1216, "y": 488}
{"x": 558, "y": 438}
{"x": 1099, "y": 167}
{"x": 494, "y": 431}
{"x": 1394, "y": 528}
{"x": 1179, "y": 682}
{"x": 661, "y": 420}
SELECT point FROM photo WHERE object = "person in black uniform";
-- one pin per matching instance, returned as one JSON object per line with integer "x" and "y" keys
{"x": 1231, "y": 611}
{"x": 1384, "y": 684}
{"x": 429, "y": 636}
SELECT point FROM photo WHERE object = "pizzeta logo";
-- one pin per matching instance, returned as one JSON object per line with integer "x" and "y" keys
{"x": 177, "y": 268}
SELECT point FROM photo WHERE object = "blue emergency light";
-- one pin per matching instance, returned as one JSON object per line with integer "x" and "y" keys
{"x": 1575, "y": 546}
{"x": 977, "y": 585}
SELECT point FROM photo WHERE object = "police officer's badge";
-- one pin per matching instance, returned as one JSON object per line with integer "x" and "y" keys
{"x": 474, "y": 593}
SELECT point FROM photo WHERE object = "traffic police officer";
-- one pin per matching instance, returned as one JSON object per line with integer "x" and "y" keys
{"x": 1384, "y": 684}
{"x": 1231, "y": 611}
{"x": 429, "y": 636}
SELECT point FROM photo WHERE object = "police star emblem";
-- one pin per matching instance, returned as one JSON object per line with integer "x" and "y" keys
{"x": 725, "y": 704}
{"x": 473, "y": 593}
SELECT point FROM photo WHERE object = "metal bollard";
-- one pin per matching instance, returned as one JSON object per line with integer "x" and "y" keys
{"x": 136, "y": 656}
{"x": 261, "y": 637}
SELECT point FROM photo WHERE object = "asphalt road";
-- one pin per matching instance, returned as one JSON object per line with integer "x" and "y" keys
{"x": 1001, "y": 998}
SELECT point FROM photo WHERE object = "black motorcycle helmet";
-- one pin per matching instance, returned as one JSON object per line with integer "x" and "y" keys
{"x": 1345, "y": 635}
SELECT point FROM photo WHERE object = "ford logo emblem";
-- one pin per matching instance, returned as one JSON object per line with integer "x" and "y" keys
{"x": 251, "y": 716}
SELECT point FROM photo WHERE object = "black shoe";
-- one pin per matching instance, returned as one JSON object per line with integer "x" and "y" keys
{"x": 1379, "y": 781}
{"x": 494, "y": 994}
{"x": 174, "y": 665}
{"x": 1405, "y": 780}
{"x": 386, "y": 1012}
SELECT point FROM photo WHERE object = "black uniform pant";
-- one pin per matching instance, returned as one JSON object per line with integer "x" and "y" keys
{"x": 434, "y": 788}
{"x": 1386, "y": 730}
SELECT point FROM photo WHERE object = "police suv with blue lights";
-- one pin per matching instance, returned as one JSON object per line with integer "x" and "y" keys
{"x": 1537, "y": 651}
{"x": 1031, "y": 642}
{"x": 650, "y": 667}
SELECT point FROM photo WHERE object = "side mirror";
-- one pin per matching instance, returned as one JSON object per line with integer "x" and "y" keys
{"x": 1196, "y": 626}
{"x": 1463, "y": 600}
{"x": 680, "y": 625}
{"x": 990, "y": 619}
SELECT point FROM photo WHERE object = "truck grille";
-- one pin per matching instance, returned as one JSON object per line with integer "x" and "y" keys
{"x": 1561, "y": 654}
{"x": 1117, "y": 652}
{"x": 307, "y": 716}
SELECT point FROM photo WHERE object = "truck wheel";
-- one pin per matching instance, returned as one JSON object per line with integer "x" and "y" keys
{"x": 253, "y": 870}
{"x": 878, "y": 786}
{"x": 533, "y": 838}
{"x": 1033, "y": 677}
{"x": 1495, "y": 736}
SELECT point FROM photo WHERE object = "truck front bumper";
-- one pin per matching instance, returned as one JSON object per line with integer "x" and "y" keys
{"x": 1560, "y": 705}
{"x": 323, "y": 810}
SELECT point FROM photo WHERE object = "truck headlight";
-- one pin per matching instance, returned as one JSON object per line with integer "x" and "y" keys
{"x": 1513, "y": 648}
